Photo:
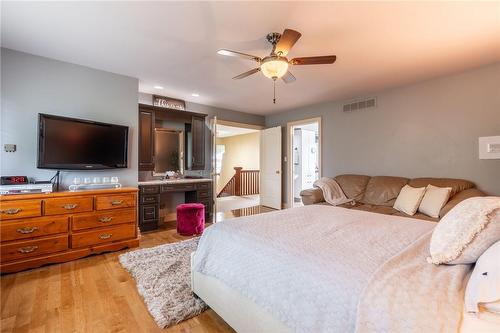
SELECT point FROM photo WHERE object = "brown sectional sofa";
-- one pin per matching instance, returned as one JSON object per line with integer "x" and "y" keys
{"x": 378, "y": 194}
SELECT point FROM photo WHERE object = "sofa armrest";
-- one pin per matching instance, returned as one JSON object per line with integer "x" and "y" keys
{"x": 312, "y": 196}
{"x": 460, "y": 196}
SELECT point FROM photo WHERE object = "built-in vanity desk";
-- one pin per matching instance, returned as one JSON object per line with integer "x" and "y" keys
{"x": 170, "y": 140}
{"x": 151, "y": 192}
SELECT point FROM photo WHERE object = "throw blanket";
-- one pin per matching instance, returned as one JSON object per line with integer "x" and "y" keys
{"x": 330, "y": 269}
{"x": 332, "y": 192}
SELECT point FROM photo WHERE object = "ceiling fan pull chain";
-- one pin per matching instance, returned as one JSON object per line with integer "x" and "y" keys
{"x": 274, "y": 91}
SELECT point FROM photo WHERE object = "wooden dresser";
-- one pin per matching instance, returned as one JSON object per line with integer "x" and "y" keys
{"x": 38, "y": 229}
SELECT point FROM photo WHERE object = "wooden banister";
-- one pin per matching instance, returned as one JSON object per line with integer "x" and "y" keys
{"x": 244, "y": 182}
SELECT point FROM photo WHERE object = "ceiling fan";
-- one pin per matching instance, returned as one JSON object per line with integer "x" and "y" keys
{"x": 276, "y": 64}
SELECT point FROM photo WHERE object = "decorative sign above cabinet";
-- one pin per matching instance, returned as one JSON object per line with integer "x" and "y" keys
{"x": 170, "y": 103}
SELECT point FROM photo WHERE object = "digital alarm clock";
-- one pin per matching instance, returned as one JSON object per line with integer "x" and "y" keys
{"x": 14, "y": 180}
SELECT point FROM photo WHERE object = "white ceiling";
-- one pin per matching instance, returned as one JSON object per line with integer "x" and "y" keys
{"x": 224, "y": 131}
{"x": 173, "y": 44}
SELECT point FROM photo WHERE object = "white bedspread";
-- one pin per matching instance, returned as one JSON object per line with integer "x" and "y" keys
{"x": 309, "y": 266}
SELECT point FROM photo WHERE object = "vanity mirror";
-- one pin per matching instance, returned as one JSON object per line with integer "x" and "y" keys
{"x": 169, "y": 150}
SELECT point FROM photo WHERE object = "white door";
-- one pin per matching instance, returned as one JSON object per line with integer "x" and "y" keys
{"x": 270, "y": 167}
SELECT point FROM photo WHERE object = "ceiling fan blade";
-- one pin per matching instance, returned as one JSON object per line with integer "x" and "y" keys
{"x": 288, "y": 77}
{"x": 287, "y": 40}
{"x": 313, "y": 60}
{"x": 247, "y": 73}
{"x": 230, "y": 53}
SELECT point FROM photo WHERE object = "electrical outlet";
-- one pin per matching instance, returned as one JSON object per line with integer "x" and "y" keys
{"x": 9, "y": 148}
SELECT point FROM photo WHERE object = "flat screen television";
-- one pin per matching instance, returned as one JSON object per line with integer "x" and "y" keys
{"x": 77, "y": 144}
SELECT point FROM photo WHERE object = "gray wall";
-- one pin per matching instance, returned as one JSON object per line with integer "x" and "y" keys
{"x": 426, "y": 129}
{"x": 222, "y": 114}
{"x": 33, "y": 84}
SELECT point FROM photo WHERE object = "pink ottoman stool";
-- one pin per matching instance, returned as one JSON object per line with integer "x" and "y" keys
{"x": 190, "y": 219}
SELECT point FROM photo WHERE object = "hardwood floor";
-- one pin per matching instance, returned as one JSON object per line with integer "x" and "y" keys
{"x": 93, "y": 294}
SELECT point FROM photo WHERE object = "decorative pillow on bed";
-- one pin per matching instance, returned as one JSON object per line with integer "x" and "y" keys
{"x": 466, "y": 231}
{"x": 434, "y": 199}
{"x": 409, "y": 199}
{"x": 483, "y": 287}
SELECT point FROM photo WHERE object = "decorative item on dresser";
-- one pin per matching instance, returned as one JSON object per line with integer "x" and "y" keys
{"x": 39, "y": 229}
{"x": 196, "y": 190}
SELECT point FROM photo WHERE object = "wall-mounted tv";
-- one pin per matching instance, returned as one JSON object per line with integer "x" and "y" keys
{"x": 77, "y": 144}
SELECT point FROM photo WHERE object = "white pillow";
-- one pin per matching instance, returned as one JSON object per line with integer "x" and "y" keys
{"x": 466, "y": 231}
{"x": 484, "y": 284}
{"x": 409, "y": 199}
{"x": 434, "y": 199}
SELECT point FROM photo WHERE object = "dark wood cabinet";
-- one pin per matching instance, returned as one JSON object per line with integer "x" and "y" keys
{"x": 146, "y": 140}
{"x": 150, "y": 198}
{"x": 198, "y": 133}
{"x": 194, "y": 135}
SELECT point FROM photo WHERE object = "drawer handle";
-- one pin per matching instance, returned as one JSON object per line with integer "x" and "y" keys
{"x": 27, "y": 249}
{"x": 105, "y": 219}
{"x": 105, "y": 236}
{"x": 70, "y": 206}
{"x": 27, "y": 230}
{"x": 116, "y": 202}
{"x": 11, "y": 211}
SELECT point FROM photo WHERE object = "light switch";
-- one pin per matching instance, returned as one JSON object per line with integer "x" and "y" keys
{"x": 494, "y": 148}
{"x": 489, "y": 147}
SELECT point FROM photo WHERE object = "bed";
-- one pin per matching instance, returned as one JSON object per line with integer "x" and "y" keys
{"x": 327, "y": 269}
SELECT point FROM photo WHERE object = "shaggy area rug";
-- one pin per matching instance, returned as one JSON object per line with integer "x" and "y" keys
{"x": 163, "y": 278}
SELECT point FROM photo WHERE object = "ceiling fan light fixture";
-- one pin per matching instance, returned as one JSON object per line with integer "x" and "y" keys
{"x": 274, "y": 67}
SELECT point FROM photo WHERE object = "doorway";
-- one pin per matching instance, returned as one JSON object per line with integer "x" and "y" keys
{"x": 236, "y": 169}
{"x": 304, "y": 155}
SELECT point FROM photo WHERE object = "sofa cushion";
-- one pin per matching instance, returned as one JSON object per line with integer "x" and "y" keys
{"x": 376, "y": 209}
{"x": 419, "y": 216}
{"x": 353, "y": 185}
{"x": 383, "y": 190}
{"x": 457, "y": 185}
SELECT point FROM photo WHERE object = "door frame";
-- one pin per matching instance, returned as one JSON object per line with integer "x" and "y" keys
{"x": 289, "y": 149}
{"x": 238, "y": 124}
{"x": 234, "y": 124}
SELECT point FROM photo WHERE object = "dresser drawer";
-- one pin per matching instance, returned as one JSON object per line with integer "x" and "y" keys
{"x": 114, "y": 201}
{"x": 20, "y": 208}
{"x": 149, "y": 212}
{"x": 149, "y": 199}
{"x": 102, "y": 219}
{"x": 202, "y": 186}
{"x": 33, "y": 248}
{"x": 68, "y": 205}
{"x": 204, "y": 194}
{"x": 177, "y": 187}
{"x": 154, "y": 189}
{"x": 96, "y": 237}
{"x": 35, "y": 227}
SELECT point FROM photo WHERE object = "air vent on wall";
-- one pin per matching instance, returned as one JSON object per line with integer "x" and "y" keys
{"x": 360, "y": 104}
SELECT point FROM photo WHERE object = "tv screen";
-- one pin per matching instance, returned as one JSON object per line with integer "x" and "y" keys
{"x": 76, "y": 144}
